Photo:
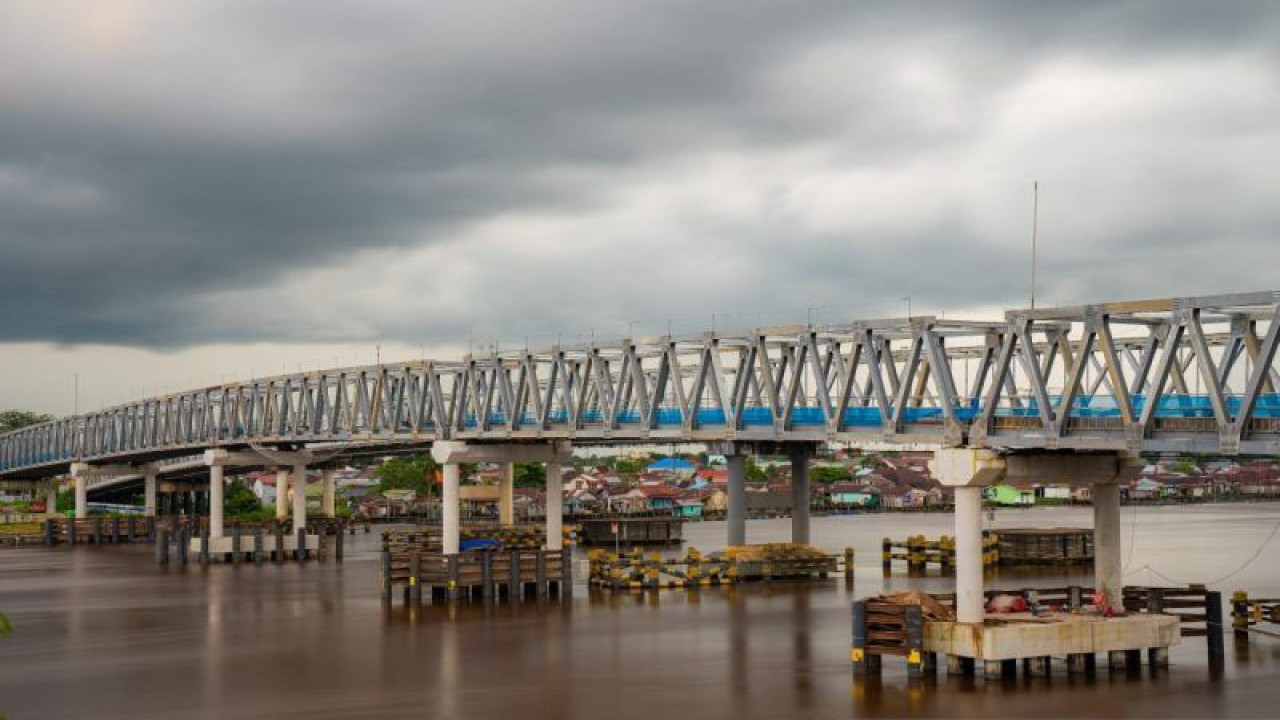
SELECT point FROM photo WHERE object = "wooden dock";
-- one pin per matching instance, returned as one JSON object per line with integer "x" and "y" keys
{"x": 632, "y": 531}
{"x": 513, "y": 566}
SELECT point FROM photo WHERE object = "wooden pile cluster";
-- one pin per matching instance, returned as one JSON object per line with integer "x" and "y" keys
{"x": 1046, "y": 546}
{"x": 426, "y": 576}
{"x": 99, "y": 530}
{"x": 632, "y": 531}
{"x": 639, "y": 571}
{"x": 882, "y": 627}
{"x": 770, "y": 561}
{"x": 919, "y": 552}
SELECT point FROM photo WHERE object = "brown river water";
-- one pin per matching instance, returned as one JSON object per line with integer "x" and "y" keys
{"x": 106, "y": 633}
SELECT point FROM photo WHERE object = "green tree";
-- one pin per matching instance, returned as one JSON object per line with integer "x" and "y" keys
{"x": 755, "y": 473}
{"x": 629, "y": 466}
{"x": 829, "y": 474}
{"x": 530, "y": 475}
{"x": 411, "y": 472}
{"x": 14, "y": 419}
{"x": 240, "y": 503}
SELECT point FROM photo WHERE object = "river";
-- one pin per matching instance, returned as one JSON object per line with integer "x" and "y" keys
{"x": 105, "y": 633}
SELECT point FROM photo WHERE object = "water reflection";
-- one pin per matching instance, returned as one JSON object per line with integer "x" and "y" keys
{"x": 140, "y": 641}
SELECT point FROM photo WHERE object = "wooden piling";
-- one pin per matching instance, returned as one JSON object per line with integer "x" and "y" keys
{"x": 301, "y": 554}
{"x": 257, "y": 546}
{"x": 50, "y": 536}
{"x": 182, "y": 545}
{"x": 1240, "y": 614}
{"x": 858, "y": 653}
{"x": 204, "y": 546}
{"x": 162, "y": 547}
{"x": 386, "y": 577}
{"x": 415, "y": 578}
{"x": 566, "y": 573}
{"x": 97, "y": 531}
{"x": 541, "y": 576}
{"x": 454, "y": 569}
{"x": 486, "y": 575}
{"x": 1213, "y": 626}
{"x": 514, "y": 589}
{"x": 848, "y": 564}
{"x": 915, "y": 642}
{"x": 71, "y": 531}
{"x": 337, "y": 545}
{"x": 279, "y": 530}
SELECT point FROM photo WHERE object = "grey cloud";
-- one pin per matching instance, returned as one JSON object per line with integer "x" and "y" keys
{"x": 224, "y": 146}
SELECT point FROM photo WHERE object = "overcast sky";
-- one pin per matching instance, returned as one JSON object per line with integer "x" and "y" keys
{"x": 193, "y": 192}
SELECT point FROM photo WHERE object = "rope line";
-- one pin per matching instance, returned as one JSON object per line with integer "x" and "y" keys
{"x": 1257, "y": 554}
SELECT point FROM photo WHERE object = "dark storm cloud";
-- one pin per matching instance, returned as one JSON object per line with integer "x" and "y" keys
{"x": 156, "y": 159}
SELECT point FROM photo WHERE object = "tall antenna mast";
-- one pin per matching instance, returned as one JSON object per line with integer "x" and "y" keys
{"x": 1035, "y": 223}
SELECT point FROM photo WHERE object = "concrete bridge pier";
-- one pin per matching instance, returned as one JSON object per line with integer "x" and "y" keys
{"x": 299, "y": 479}
{"x": 555, "y": 505}
{"x": 282, "y": 494}
{"x": 800, "y": 495}
{"x": 506, "y": 495}
{"x": 149, "y": 492}
{"x": 451, "y": 521}
{"x": 218, "y": 460}
{"x": 736, "y": 513}
{"x": 327, "y": 504}
{"x": 51, "y": 500}
{"x": 1107, "y": 569}
{"x": 451, "y": 454}
{"x": 82, "y": 496}
{"x": 968, "y": 471}
{"x": 217, "y": 495}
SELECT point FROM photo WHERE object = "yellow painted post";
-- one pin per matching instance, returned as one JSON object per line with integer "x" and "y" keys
{"x": 1240, "y": 614}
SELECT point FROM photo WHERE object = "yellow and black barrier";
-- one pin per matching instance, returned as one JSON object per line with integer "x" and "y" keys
{"x": 650, "y": 571}
{"x": 1247, "y": 613}
{"x": 918, "y": 552}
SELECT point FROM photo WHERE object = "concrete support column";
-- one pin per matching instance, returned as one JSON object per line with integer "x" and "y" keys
{"x": 737, "y": 510}
{"x": 506, "y": 495}
{"x": 299, "y": 498}
{"x": 82, "y": 496}
{"x": 1106, "y": 542}
{"x": 451, "y": 510}
{"x": 149, "y": 493}
{"x": 51, "y": 501}
{"x": 968, "y": 520}
{"x": 555, "y": 506}
{"x": 216, "y": 495}
{"x": 282, "y": 494}
{"x": 800, "y": 497}
{"x": 327, "y": 508}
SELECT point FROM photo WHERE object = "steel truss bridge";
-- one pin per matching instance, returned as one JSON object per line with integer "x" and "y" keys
{"x": 1194, "y": 374}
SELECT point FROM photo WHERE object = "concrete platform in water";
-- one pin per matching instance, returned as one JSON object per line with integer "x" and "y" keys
{"x": 1023, "y": 636}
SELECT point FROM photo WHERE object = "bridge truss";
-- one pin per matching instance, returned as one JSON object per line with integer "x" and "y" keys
{"x": 1171, "y": 375}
